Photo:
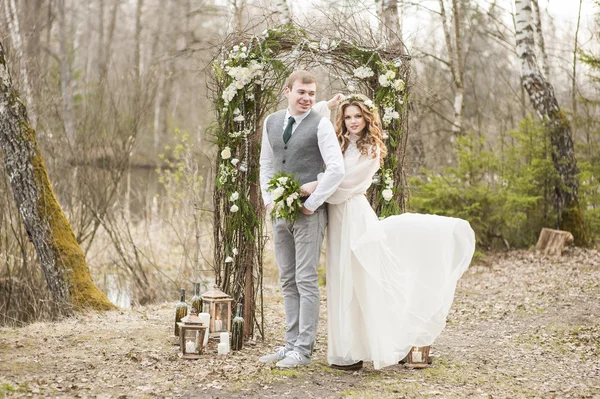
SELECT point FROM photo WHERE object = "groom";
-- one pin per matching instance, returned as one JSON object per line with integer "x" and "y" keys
{"x": 299, "y": 141}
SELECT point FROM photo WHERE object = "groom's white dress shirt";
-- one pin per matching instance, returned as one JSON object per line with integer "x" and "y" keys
{"x": 330, "y": 152}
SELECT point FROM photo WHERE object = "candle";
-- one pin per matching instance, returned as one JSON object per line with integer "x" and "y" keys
{"x": 416, "y": 356}
{"x": 224, "y": 337}
{"x": 205, "y": 317}
{"x": 190, "y": 347}
{"x": 223, "y": 348}
{"x": 218, "y": 325}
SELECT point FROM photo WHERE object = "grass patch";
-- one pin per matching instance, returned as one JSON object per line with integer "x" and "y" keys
{"x": 7, "y": 388}
{"x": 284, "y": 373}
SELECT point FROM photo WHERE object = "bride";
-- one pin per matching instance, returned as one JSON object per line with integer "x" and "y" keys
{"x": 391, "y": 282}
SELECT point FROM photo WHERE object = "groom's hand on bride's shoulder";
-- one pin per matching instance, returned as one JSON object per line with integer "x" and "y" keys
{"x": 335, "y": 101}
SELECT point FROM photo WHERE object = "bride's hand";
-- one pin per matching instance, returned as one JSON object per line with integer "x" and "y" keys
{"x": 308, "y": 188}
{"x": 335, "y": 101}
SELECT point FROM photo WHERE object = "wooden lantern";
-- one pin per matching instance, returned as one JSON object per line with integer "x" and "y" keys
{"x": 218, "y": 304}
{"x": 418, "y": 357}
{"x": 191, "y": 336}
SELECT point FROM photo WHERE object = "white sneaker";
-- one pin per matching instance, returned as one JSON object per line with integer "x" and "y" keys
{"x": 294, "y": 359}
{"x": 279, "y": 354}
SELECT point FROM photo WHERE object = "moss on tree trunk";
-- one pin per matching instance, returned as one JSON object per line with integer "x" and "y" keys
{"x": 61, "y": 258}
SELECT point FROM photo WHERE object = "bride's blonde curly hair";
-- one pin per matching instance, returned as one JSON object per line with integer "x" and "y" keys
{"x": 372, "y": 138}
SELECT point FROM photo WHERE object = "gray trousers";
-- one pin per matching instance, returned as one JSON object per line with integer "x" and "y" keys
{"x": 297, "y": 251}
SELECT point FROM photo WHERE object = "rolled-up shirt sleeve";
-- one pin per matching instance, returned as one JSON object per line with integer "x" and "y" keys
{"x": 266, "y": 165}
{"x": 334, "y": 165}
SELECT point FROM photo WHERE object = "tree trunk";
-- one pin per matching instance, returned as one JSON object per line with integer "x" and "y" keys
{"x": 65, "y": 75}
{"x": 455, "y": 56}
{"x": 61, "y": 258}
{"x": 543, "y": 99}
{"x": 238, "y": 14}
{"x": 574, "y": 75}
{"x": 283, "y": 11}
{"x": 137, "y": 67}
{"x": 12, "y": 16}
{"x": 391, "y": 29}
{"x": 539, "y": 39}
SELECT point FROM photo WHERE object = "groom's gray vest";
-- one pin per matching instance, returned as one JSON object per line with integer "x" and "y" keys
{"x": 301, "y": 154}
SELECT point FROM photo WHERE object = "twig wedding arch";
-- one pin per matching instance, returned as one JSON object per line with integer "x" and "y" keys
{"x": 246, "y": 79}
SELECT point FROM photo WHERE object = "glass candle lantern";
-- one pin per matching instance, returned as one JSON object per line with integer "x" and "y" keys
{"x": 218, "y": 304}
{"x": 418, "y": 357}
{"x": 191, "y": 336}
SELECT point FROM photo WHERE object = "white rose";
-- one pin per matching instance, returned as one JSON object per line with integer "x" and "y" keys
{"x": 235, "y": 161}
{"x": 239, "y": 118}
{"x": 234, "y": 196}
{"x": 278, "y": 192}
{"x": 244, "y": 49}
{"x": 387, "y": 194}
{"x": 390, "y": 75}
{"x": 234, "y": 208}
{"x": 236, "y": 48}
{"x": 283, "y": 180}
{"x": 289, "y": 200}
{"x": 236, "y": 111}
{"x": 229, "y": 259}
{"x": 369, "y": 103}
{"x": 383, "y": 81}
{"x": 235, "y": 251}
{"x": 226, "y": 153}
{"x": 399, "y": 84}
{"x": 239, "y": 84}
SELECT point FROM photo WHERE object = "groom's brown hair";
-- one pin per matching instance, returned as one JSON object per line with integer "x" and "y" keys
{"x": 301, "y": 75}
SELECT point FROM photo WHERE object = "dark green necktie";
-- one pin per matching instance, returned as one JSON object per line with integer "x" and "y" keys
{"x": 287, "y": 133}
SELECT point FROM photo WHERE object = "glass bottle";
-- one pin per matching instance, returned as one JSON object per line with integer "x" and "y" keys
{"x": 180, "y": 311}
{"x": 197, "y": 299}
{"x": 237, "y": 330}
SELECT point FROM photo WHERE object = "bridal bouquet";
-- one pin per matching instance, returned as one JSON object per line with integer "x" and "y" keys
{"x": 285, "y": 193}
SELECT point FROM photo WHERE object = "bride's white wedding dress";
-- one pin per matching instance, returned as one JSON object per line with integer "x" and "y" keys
{"x": 391, "y": 282}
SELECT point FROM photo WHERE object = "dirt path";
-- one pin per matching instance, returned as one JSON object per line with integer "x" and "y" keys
{"x": 521, "y": 326}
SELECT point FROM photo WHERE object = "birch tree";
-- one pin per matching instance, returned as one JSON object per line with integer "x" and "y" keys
{"x": 539, "y": 39}
{"x": 453, "y": 37}
{"x": 543, "y": 99}
{"x": 62, "y": 260}
{"x": 282, "y": 9}
{"x": 14, "y": 27}
{"x": 391, "y": 30}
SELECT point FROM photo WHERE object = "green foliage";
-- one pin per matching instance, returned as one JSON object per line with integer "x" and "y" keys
{"x": 507, "y": 197}
{"x": 589, "y": 184}
{"x": 588, "y": 154}
{"x": 180, "y": 174}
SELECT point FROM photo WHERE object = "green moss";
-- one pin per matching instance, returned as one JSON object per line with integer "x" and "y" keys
{"x": 574, "y": 222}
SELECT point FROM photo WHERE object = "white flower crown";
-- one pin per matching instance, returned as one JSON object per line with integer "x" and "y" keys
{"x": 357, "y": 97}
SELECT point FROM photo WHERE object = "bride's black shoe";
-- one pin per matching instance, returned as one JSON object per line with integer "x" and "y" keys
{"x": 349, "y": 367}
